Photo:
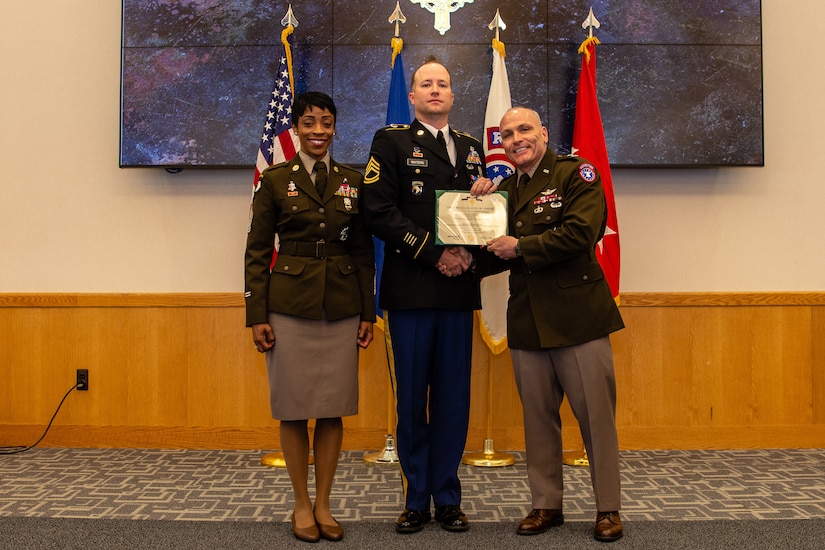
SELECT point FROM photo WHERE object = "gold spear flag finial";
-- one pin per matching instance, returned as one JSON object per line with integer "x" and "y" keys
{"x": 397, "y": 43}
{"x": 590, "y": 23}
{"x": 498, "y": 24}
{"x": 290, "y": 22}
{"x": 397, "y": 17}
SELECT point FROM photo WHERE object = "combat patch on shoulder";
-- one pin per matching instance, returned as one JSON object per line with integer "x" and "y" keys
{"x": 588, "y": 172}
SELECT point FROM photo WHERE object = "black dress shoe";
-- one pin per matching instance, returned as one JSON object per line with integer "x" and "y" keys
{"x": 412, "y": 521}
{"x": 540, "y": 520}
{"x": 451, "y": 518}
{"x": 608, "y": 527}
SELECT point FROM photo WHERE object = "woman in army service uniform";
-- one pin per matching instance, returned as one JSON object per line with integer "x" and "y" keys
{"x": 314, "y": 308}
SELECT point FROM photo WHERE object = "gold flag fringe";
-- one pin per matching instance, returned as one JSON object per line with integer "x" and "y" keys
{"x": 495, "y": 346}
{"x": 397, "y": 45}
{"x": 284, "y": 40}
{"x": 498, "y": 45}
{"x": 583, "y": 48}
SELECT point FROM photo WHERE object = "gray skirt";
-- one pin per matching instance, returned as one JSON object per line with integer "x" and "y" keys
{"x": 313, "y": 367}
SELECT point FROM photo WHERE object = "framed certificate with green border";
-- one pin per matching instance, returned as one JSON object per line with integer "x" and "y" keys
{"x": 462, "y": 219}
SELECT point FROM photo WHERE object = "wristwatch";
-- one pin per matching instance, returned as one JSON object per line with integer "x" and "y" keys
{"x": 518, "y": 248}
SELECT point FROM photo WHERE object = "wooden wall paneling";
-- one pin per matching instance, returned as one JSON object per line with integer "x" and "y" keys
{"x": 781, "y": 365}
{"x": 818, "y": 365}
{"x": 693, "y": 371}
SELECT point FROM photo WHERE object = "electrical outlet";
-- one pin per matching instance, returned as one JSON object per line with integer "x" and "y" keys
{"x": 82, "y": 380}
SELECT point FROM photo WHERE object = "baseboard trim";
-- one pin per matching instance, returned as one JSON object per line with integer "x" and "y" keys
{"x": 246, "y": 438}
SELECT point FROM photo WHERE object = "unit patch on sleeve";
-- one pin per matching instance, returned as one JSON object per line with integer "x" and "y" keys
{"x": 588, "y": 172}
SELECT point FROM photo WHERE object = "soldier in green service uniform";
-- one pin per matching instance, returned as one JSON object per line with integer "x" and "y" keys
{"x": 559, "y": 317}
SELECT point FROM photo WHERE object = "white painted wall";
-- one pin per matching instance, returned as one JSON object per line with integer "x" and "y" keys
{"x": 72, "y": 221}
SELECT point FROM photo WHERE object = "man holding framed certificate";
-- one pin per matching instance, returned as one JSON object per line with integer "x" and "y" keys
{"x": 559, "y": 318}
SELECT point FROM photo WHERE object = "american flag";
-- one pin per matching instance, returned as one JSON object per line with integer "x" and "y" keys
{"x": 278, "y": 144}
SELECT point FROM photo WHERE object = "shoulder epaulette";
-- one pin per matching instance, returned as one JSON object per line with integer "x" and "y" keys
{"x": 279, "y": 165}
{"x": 465, "y": 134}
{"x": 396, "y": 127}
{"x": 346, "y": 168}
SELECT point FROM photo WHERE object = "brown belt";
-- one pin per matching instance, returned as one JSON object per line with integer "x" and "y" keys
{"x": 319, "y": 249}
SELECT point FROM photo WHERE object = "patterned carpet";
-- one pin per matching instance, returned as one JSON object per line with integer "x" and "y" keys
{"x": 232, "y": 485}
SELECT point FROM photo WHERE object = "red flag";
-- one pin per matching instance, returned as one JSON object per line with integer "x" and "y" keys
{"x": 588, "y": 142}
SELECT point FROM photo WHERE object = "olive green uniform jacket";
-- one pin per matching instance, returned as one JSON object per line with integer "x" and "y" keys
{"x": 558, "y": 293}
{"x": 326, "y": 259}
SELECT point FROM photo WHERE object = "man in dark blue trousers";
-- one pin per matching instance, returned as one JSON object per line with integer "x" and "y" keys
{"x": 427, "y": 295}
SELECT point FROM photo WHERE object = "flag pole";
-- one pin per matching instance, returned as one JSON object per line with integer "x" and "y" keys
{"x": 579, "y": 458}
{"x": 389, "y": 456}
{"x": 489, "y": 457}
{"x": 276, "y": 459}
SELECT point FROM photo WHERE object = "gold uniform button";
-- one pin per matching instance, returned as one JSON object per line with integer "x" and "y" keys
{"x": 322, "y": 225}
{"x": 519, "y": 224}
{"x": 294, "y": 208}
{"x": 322, "y": 210}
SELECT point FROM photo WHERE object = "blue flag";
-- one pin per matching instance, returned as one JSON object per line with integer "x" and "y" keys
{"x": 398, "y": 112}
{"x": 398, "y": 107}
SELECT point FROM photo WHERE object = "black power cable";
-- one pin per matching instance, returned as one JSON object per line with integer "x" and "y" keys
{"x": 21, "y": 448}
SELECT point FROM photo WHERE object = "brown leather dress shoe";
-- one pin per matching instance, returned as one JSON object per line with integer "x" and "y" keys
{"x": 540, "y": 520}
{"x": 608, "y": 527}
{"x": 331, "y": 532}
{"x": 306, "y": 534}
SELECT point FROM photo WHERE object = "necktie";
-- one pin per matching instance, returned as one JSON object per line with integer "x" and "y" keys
{"x": 320, "y": 177}
{"x": 523, "y": 180}
{"x": 442, "y": 141}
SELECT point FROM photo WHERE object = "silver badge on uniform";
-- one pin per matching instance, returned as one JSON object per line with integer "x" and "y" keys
{"x": 344, "y": 234}
{"x": 347, "y": 203}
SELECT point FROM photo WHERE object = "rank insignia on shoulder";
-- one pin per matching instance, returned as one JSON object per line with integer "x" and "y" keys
{"x": 372, "y": 172}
